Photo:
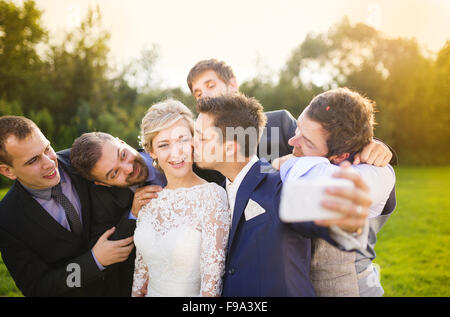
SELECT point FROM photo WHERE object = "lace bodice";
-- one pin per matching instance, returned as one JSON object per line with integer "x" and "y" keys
{"x": 180, "y": 239}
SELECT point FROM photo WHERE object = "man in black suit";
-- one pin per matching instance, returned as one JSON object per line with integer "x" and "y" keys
{"x": 45, "y": 220}
{"x": 122, "y": 180}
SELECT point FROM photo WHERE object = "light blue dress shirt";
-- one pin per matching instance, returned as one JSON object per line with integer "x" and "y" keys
{"x": 380, "y": 180}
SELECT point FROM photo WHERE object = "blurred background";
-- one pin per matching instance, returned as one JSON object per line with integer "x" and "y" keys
{"x": 79, "y": 66}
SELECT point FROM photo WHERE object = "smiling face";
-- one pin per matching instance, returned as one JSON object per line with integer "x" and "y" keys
{"x": 119, "y": 165}
{"x": 208, "y": 84}
{"x": 34, "y": 162}
{"x": 173, "y": 149}
{"x": 310, "y": 138}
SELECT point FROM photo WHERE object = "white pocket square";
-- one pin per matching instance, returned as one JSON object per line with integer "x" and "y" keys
{"x": 252, "y": 210}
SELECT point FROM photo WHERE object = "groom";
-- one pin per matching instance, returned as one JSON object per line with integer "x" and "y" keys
{"x": 265, "y": 257}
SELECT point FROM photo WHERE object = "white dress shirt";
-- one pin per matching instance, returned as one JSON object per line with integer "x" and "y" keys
{"x": 233, "y": 187}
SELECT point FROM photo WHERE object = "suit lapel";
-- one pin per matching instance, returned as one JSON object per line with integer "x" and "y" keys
{"x": 249, "y": 183}
{"x": 117, "y": 197}
{"x": 82, "y": 189}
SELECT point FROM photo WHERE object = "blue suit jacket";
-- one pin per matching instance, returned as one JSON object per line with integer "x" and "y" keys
{"x": 266, "y": 257}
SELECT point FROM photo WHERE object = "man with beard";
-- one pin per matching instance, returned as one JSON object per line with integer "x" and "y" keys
{"x": 45, "y": 220}
{"x": 122, "y": 181}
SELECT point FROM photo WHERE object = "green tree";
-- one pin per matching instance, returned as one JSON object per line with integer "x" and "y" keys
{"x": 20, "y": 64}
{"x": 393, "y": 72}
{"x": 78, "y": 69}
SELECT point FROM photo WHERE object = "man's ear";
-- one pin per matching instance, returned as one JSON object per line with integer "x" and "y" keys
{"x": 338, "y": 159}
{"x": 7, "y": 171}
{"x": 233, "y": 85}
{"x": 152, "y": 155}
{"x": 101, "y": 184}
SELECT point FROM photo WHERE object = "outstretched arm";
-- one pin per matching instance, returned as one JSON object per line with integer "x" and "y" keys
{"x": 349, "y": 231}
{"x": 357, "y": 202}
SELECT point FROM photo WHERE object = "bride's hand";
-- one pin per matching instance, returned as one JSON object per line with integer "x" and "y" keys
{"x": 142, "y": 196}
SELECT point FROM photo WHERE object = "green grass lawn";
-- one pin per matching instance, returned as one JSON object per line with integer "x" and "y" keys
{"x": 413, "y": 247}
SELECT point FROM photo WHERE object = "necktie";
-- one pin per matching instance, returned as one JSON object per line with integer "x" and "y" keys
{"x": 71, "y": 213}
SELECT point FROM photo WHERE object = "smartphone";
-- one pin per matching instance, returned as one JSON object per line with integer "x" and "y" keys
{"x": 301, "y": 199}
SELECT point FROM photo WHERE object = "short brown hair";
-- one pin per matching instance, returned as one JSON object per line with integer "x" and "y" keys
{"x": 87, "y": 150}
{"x": 348, "y": 118}
{"x": 235, "y": 111}
{"x": 18, "y": 126}
{"x": 223, "y": 71}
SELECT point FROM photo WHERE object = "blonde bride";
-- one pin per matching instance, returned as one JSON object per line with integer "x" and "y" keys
{"x": 181, "y": 235}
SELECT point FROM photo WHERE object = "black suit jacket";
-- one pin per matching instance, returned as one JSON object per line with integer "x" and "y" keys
{"x": 37, "y": 250}
{"x": 279, "y": 129}
{"x": 110, "y": 208}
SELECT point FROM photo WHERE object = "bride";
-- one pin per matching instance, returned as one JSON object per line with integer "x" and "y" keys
{"x": 181, "y": 235}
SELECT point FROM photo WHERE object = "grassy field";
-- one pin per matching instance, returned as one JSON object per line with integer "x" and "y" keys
{"x": 413, "y": 247}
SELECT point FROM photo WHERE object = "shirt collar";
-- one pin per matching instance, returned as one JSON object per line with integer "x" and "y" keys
{"x": 240, "y": 176}
{"x": 46, "y": 193}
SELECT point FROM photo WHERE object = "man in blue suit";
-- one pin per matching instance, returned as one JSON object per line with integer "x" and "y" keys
{"x": 265, "y": 257}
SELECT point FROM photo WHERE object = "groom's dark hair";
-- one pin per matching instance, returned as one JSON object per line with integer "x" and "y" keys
{"x": 236, "y": 111}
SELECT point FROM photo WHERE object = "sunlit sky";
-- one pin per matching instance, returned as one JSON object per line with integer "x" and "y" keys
{"x": 253, "y": 36}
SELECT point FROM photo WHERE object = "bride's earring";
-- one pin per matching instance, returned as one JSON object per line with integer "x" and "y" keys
{"x": 155, "y": 163}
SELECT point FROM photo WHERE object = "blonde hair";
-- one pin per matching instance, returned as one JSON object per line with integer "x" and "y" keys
{"x": 161, "y": 116}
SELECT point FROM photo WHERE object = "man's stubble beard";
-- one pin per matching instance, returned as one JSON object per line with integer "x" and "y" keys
{"x": 143, "y": 175}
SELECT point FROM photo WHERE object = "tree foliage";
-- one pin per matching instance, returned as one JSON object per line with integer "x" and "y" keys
{"x": 69, "y": 88}
{"x": 410, "y": 88}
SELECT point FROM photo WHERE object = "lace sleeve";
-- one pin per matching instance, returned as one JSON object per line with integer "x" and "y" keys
{"x": 215, "y": 228}
{"x": 140, "y": 278}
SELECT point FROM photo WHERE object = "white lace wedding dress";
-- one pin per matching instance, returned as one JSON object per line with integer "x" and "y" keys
{"x": 181, "y": 239}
